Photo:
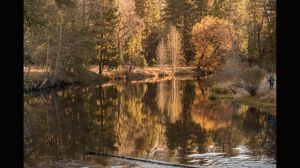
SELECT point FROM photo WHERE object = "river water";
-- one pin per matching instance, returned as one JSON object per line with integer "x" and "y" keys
{"x": 172, "y": 121}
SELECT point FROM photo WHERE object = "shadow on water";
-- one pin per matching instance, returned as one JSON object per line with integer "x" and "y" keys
{"x": 170, "y": 121}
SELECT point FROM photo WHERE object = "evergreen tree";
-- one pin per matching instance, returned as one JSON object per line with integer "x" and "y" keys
{"x": 105, "y": 21}
{"x": 149, "y": 10}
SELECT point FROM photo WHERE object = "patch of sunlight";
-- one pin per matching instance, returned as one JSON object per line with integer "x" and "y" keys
{"x": 243, "y": 108}
{"x": 60, "y": 93}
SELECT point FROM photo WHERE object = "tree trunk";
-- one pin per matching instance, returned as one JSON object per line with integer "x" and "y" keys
{"x": 119, "y": 48}
{"x": 102, "y": 36}
{"x": 173, "y": 63}
{"x": 83, "y": 13}
{"x": 28, "y": 72}
{"x": 200, "y": 59}
{"x": 47, "y": 59}
{"x": 100, "y": 68}
{"x": 58, "y": 59}
{"x": 101, "y": 57}
{"x": 259, "y": 48}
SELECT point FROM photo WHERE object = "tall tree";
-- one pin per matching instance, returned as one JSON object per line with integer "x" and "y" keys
{"x": 261, "y": 28}
{"x": 161, "y": 53}
{"x": 134, "y": 56}
{"x": 149, "y": 10}
{"x": 105, "y": 22}
{"x": 213, "y": 39}
{"x": 174, "y": 47}
{"x": 184, "y": 14}
{"x": 129, "y": 26}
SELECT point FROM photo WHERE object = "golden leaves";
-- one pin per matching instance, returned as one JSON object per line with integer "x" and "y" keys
{"x": 212, "y": 35}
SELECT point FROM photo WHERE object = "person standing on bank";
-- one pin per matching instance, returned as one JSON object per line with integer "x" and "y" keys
{"x": 271, "y": 81}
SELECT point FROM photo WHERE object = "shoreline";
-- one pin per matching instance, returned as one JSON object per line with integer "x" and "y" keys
{"x": 37, "y": 76}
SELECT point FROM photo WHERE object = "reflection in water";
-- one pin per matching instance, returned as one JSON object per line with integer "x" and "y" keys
{"x": 185, "y": 135}
{"x": 167, "y": 121}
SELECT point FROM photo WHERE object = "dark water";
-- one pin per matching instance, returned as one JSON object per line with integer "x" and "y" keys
{"x": 170, "y": 121}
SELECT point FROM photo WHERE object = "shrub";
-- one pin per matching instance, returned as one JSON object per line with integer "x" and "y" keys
{"x": 250, "y": 79}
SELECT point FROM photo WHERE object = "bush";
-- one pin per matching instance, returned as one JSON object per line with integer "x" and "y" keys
{"x": 250, "y": 79}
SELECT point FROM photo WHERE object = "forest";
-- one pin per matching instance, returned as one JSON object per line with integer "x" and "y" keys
{"x": 80, "y": 40}
{"x": 188, "y": 82}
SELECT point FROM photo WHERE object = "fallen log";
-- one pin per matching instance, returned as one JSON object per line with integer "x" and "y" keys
{"x": 143, "y": 160}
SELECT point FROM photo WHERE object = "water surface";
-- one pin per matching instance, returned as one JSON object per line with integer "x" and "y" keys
{"x": 171, "y": 121}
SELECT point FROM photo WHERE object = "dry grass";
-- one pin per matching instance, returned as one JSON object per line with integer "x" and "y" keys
{"x": 153, "y": 73}
{"x": 147, "y": 72}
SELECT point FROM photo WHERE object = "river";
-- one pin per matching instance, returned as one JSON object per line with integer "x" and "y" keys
{"x": 172, "y": 121}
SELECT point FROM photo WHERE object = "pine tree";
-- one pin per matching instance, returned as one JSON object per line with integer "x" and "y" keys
{"x": 149, "y": 10}
{"x": 105, "y": 21}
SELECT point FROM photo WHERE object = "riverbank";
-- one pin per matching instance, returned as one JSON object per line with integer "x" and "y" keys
{"x": 37, "y": 77}
{"x": 222, "y": 82}
{"x": 224, "y": 88}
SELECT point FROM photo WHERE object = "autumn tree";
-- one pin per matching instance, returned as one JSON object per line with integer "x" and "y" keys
{"x": 161, "y": 53}
{"x": 213, "y": 40}
{"x": 254, "y": 26}
{"x": 174, "y": 47}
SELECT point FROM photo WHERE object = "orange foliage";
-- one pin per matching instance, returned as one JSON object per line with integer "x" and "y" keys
{"x": 213, "y": 38}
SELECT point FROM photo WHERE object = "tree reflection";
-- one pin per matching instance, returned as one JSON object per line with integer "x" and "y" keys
{"x": 165, "y": 121}
{"x": 76, "y": 120}
{"x": 184, "y": 135}
{"x": 260, "y": 132}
